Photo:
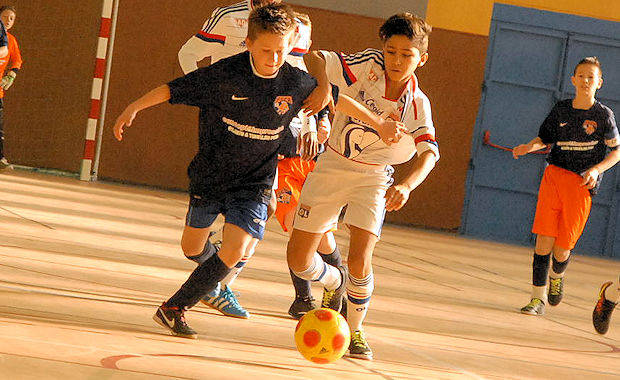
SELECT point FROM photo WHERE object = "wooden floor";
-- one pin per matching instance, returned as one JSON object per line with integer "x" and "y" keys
{"x": 83, "y": 267}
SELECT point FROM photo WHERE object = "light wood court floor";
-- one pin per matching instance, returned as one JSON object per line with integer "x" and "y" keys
{"x": 83, "y": 267}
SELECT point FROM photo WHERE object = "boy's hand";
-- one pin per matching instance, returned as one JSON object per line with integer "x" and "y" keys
{"x": 590, "y": 177}
{"x": 323, "y": 130}
{"x": 396, "y": 196}
{"x": 320, "y": 97}
{"x": 391, "y": 131}
{"x": 125, "y": 119}
{"x": 520, "y": 150}
{"x": 7, "y": 80}
{"x": 309, "y": 146}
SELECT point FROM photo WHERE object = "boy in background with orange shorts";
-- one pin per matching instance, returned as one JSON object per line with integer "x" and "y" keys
{"x": 582, "y": 131}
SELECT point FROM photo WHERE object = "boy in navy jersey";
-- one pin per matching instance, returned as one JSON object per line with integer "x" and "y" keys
{"x": 582, "y": 131}
{"x": 246, "y": 102}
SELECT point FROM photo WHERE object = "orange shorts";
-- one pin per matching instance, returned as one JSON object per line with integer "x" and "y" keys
{"x": 292, "y": 173}
{"x": 563, "y": 206}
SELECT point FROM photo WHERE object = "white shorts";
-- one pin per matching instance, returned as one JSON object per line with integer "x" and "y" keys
{"x": 337, "y": 182}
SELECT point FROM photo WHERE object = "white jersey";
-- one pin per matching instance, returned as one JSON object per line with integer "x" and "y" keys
{"x": 362, "y": 77}
{"x": 223, "y": 35}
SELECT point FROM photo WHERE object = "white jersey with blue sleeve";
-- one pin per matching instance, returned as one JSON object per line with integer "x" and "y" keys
{"x": 223, "y": 35}
{"x": 362, "y": 77}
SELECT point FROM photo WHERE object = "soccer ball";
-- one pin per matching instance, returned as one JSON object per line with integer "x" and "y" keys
{"x": 322, "y": 336}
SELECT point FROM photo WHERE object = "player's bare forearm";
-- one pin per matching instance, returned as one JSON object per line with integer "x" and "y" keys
{"x": 321, "y": 96}
{"x": 396, "y": 196}
{"x": 151, "y": 98}
{"x": 389, "y": 131}
{"x": 532, "y": 146}
{"x": 420, "y": 169}
{"x": 608, "y": 162}
{"x": 4, "y": 51}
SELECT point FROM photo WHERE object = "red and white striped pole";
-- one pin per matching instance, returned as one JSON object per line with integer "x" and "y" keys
{"x": 95, "y": 96}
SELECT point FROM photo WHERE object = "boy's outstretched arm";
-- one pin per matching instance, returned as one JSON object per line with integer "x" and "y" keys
{"x": 532, "y": 146}
{"x": 151, "y": 98}
{"x": 322, "y": 94}
{"x": 396, "y": 196}
{"x": 590, "y": 176}
{"x": 390, "y": 131}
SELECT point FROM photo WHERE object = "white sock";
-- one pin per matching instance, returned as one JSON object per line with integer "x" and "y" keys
{"x": 540, "y": 292}
{"x": 232, "y": 275}
{"x": 359, "y": 291}
{"x": 324, "y": 273}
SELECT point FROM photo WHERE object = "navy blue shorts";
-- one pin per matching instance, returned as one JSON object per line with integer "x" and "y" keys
{"x": 247, "y": 214}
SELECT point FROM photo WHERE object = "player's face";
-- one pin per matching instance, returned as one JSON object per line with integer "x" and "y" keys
{"x": 8, "y": 18}
{"x": 269, "y": 51}
{"x": 401, "y": 58}
{"x": 587, "y": 80}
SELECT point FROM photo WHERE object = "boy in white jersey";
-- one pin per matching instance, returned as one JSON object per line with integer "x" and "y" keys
{"x": 384, "y": 82}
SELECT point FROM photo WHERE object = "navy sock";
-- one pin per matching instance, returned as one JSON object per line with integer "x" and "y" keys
{"x": 208, "y": 251}
{"x": 202, "y": 280}
{"x": 333, "y": 258}
{"x": 302, "y": 287}
{"x": 540, "y": 269}
{"x": 559, "y": 266}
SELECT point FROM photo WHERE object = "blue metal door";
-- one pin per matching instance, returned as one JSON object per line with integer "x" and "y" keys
{"x": 530, "y": 60}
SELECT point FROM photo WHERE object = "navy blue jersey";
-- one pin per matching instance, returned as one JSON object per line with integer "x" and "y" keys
{"x": 580, "y": 138}
{"x": 243, "y": 119}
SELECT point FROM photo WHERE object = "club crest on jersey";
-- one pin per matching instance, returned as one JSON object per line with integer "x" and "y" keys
{"x": 304, "y": 211}
{"x": 372, "y": 76}
{"x": 281, "y": 104}
{"x": 589, "y": 126}
{"x": 241, "y": 22}
{"x": 284, "y": 196}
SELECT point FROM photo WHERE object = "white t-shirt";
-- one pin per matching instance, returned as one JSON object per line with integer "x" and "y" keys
{"x": 362, "y": 77}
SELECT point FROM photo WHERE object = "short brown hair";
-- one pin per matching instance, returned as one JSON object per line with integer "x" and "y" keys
{"x": 589, "y": 61}
{"x": 8, "y": 8}
{"x": 272, "y": 18}
{"x": 409, "y": 25}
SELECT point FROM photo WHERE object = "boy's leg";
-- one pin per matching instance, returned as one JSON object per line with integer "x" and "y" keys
{"x": 202, "y": 280}
{"x": 559, "y": 262}
{"x": 307, "y": 264}
{"x": 360, "y": 286}
{"x": 576, "y": 205}
{"x": 607, "y": 301}
{"x": 540, "y": 273}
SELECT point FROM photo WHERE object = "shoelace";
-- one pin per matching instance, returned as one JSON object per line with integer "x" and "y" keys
{"x": 358, "y": 339}
{"x": 534, "y": 303}
{"x": 327, "y": 297}
{"x": 555, "y": 284}
{"x": 230, "y": 297}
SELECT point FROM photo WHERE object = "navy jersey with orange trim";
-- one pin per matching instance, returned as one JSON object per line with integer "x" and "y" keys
{"x": 243, "y": 118}
{"x": 581, "y": 138}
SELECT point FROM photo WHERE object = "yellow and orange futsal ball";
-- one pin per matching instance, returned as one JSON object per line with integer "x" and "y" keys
{"x": 322, "y": 336}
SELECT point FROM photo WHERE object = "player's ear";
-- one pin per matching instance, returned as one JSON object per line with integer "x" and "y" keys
{"x": 423, "y": 59}
{"x": 248, "y": 42}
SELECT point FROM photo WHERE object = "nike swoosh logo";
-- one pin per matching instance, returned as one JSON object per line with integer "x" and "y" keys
{"x": 235, "y": 97}
{"x": 170, "y": 321}
{"x": 563, "y": 124}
